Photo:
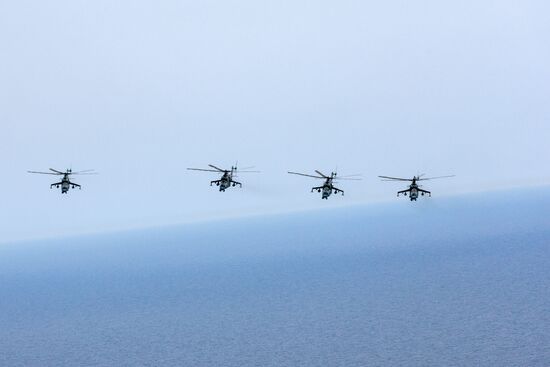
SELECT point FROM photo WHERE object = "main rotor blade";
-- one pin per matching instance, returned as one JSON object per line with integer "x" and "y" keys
{"x": 202, "y": 169}
{"x": 56, "y": 171}
{"x": 246, "y": 168}
{"x": 219, "y": 169}
{"x": 83, "y": 171}
{"x": 355, "y": 175}
{"x": 394, "y": 178}
{"x": 246, "y": 171}
{"x": 45, "y": 173}
{"x": 325, "y": 176}
{"x": 433, "y": 178}
{"x": 348, "y": 179}
{"x": 303, "y": 174}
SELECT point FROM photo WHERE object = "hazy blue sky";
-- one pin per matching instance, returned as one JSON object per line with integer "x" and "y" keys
{"x": 140, "y": 90}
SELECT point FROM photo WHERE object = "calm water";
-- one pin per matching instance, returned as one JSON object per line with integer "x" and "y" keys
{"x": 454, "y": 282}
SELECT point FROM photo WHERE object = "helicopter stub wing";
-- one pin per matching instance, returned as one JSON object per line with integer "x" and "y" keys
{"x": 403, "y": 191}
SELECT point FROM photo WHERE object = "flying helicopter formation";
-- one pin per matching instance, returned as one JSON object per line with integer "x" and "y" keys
{"x": 227, "y": 180}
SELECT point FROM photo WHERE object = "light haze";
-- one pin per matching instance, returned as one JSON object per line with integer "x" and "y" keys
{"x": 140, "y": 90}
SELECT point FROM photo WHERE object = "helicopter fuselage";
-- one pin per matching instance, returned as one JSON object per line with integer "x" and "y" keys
{"x": 413, "y": 193}
{"x": 65, "y": 185}
{"x": 327, "y": 189}
{"x": 225, "y": 181}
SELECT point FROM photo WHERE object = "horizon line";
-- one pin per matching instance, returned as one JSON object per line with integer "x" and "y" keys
{"x": 274, "y": 213}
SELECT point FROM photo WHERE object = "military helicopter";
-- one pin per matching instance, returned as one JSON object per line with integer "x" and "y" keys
{"x": 328, "y": 188}
{"x": 65, "y": 182}
{"x": 226, "y": 181}
{"x": 414, "y": 188}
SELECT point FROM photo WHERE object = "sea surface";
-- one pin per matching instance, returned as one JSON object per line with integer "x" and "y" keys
{"x": 461, "y": 281}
